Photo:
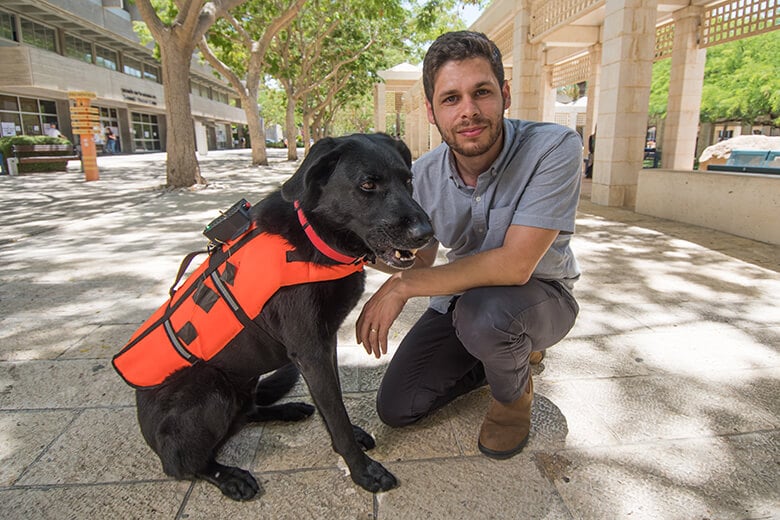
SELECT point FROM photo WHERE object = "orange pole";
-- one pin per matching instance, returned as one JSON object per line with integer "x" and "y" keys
{"x": 89, "y": 158}
{"x": 86, "y": 122}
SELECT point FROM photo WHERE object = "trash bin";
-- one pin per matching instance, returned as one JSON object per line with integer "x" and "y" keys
{"x": 13, "y": 166}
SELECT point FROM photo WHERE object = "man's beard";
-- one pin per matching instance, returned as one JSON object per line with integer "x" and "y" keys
{"x": 473, "y": 149}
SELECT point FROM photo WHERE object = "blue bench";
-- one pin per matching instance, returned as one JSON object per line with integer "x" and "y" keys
{"x": 750, "y": 161}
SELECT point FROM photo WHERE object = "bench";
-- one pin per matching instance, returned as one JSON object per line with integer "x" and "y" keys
{"x": 750, "y": 161}
{"x": 34, "y": 153}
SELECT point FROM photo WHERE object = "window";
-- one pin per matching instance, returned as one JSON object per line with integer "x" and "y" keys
{"x": 78, "y": 48}
{"x": 152, "y": 73}
{"x": 10, "y": 124}
{"x": 25, "y": 116}
{"x": 106, "y": 57}
{"x": 220, "y": 96}
{"x": 7, "y": 26}
{"x": 146, "y": 133}
{"x": 9, "y": 103}
{"x": 131, "y": 67}
{"x": 48, "y": 107}
{"x": 39, "y": 35}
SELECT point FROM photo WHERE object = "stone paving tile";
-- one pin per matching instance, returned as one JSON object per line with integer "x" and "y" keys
{"x": 102, "y": 343}
{"x": 25, "y": 436}
{"x": 61, "y": 384}
{"x": 471, "y": 487}
{"x": 310, "y": 494}
{"x": 47, "y": 338}
{"x": 646, "y": 408}
{"x": 87, "y": 452}
{"x": 128, "y": 501}
{"x": 691, "y": 478}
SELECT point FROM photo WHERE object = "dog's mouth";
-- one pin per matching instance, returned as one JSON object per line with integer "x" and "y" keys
{"x": 398, "y": 258}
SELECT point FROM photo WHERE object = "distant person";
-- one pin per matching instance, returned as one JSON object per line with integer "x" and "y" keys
{"x": 53, "y": 131}
{"x": 110, "y": 140}
{"x": 591, "y": 156}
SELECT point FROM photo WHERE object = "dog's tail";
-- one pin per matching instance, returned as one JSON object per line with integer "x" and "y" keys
{"x": 273, "y": 387}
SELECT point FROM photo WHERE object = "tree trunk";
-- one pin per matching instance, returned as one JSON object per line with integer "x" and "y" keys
{"x": 182, "y": 164}
{"x": 290, "y": 131}
{"x": 256, "y": 130}
{"x": 306, "y": 133}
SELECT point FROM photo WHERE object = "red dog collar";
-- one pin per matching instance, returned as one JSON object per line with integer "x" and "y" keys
{"x": 320, "y": 244}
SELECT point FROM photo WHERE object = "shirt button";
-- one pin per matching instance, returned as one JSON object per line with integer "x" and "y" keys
{"x": 479, "y": 199}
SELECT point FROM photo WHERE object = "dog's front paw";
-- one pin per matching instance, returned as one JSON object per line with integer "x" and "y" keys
{"x": 236, "y": 483}
{"x": 288, "y": 412}
{"x": 293, "y": 412}
{"x": 375, "y": 478}
{"x": 363, "y": 438}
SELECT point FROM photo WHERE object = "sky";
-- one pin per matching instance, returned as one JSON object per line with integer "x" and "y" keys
{"x": 469, "y": 14}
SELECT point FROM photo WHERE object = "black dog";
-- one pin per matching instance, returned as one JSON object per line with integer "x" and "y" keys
{"x": 355, "y": 192}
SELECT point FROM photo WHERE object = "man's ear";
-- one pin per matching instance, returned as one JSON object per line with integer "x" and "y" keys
{"x": 506, "y": 92}
{"x": 429, "y": 111}
{"x": 317, "y": 165}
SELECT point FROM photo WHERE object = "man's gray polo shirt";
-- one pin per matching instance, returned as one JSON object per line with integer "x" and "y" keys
{"x": 535, "y": 181}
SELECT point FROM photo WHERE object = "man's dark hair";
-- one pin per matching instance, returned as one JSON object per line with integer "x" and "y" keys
{"x": 459, "y": 46}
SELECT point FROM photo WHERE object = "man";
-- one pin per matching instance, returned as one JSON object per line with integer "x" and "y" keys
{"x": 53, "y": 131}
{"x": 502, "y": 196}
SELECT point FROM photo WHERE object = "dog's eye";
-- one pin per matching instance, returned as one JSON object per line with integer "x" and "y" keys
{"x": 368, "y": 186}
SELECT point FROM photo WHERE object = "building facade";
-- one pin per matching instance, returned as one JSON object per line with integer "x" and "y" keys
{"x": 49, "y": 48}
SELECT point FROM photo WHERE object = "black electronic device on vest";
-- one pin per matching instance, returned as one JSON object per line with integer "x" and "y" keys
{"x": 230, "y": 225}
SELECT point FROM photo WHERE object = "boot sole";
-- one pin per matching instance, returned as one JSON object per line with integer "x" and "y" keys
{"x": 502, "y": 455}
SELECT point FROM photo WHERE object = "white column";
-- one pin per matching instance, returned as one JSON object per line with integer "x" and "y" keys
{"x": 201, "y": 139}
{"x": 594, "y": 80}
{"x": 548, "y": 96}
{"x": 380, "y": 107}
{"x": 527, "y": 99}
{"x": 627, "y": 69}
{"x": 686, "y": 78}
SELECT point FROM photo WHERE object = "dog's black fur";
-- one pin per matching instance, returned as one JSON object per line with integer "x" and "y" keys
{"x": 356, "y": 193}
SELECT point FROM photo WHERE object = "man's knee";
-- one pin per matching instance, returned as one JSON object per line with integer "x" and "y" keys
{"x": 480, "y": 321}
{"x": 392, "y": 412}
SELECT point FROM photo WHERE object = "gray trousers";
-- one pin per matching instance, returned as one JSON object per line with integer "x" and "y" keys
{"x": 488, "y": 332}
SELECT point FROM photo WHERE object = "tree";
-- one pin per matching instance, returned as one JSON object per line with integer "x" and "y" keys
{"x": 326, "y": 51}
{"x": 241, "y": 41}
{"x": 741, "y": 82}
{"x": 177, "y": 30}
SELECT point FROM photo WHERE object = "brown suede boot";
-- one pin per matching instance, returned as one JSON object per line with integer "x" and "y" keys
{"x": 506, "y": 427}
{"x": 536, "y": 357}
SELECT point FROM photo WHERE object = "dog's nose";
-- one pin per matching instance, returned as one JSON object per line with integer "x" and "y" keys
{"x": 420, "y": 229}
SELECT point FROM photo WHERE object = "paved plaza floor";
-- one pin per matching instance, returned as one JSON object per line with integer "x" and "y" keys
{"x": 662, "y": 403}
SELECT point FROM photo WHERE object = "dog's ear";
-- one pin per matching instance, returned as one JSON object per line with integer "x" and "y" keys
{"x": 404, "y": 151}
{"x": 317, "y": 164}
{"x": 399, "y": 145}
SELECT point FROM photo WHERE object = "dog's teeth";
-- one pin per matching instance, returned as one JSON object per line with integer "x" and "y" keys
{"x": 414, "y": 251}
{"x": 397, "y": 253}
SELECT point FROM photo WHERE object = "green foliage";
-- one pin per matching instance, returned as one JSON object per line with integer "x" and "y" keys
{"x": 659, "y": 91}
{"x": 7, "y": 142}
{"x": 741, "y": 82}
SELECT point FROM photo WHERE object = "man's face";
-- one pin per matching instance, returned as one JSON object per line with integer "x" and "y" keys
{"x": 468, "y": 106}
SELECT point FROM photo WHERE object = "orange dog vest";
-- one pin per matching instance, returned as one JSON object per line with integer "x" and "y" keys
{"x": 214, "y": 304}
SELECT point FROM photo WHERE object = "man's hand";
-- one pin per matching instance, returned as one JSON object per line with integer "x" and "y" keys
{"x": 378, "y": 314}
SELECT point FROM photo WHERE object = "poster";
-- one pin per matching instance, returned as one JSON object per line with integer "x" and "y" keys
{"x": 7, "y": 129}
